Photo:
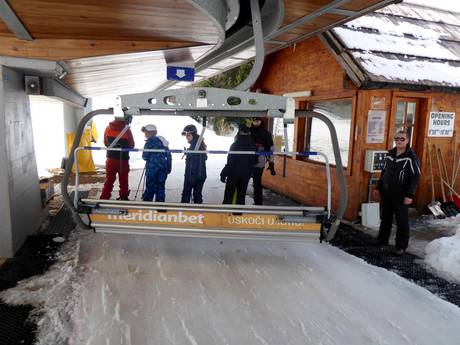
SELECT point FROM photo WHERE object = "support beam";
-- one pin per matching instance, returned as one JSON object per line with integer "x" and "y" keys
{"x": 13, "y": 22}
{"x": 346, "y": 13}
{"x": 308, "y": 17}
{"x": 57, "y": 89}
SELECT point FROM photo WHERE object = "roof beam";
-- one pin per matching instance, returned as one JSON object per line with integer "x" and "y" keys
{"x": 319, "y": 12}
{"x": 346, "y": 13}
{"x": 13, "y": 22}
{"x": 358, "y": 14}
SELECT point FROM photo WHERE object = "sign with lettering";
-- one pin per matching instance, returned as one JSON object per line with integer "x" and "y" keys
{"x": 203, "y": 220}
{"x": 376, "y": 126}
{"x": 441, "y": 124}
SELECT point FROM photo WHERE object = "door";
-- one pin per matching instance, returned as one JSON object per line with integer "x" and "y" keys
{"x": 407, "y": 118}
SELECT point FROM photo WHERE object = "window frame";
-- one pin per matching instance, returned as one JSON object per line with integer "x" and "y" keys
{"x": 303, "y": 145}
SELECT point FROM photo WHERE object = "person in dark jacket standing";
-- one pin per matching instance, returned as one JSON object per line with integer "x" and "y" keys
{"x": 117, "y": 162}
{"x": 158, "y": 165}
{"x": 396, "y": 188}
{"x": 195, "y": 167}
{"x": 239, "y": 168}
{"x": 262, "y": 138}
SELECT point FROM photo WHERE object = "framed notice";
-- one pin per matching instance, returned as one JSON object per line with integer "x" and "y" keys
{"x": 441, "y": 124}
{"x": 376, "y": 126}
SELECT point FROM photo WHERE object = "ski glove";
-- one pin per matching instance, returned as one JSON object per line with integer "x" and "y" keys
{"x": 223, "y": 178}
{"x": 271, "y": 167}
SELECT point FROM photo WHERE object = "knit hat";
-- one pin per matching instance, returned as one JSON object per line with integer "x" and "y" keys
{"x": 244, "y": 130}
{"x": 149, "y": 128}
{"x": 189, "y": 129}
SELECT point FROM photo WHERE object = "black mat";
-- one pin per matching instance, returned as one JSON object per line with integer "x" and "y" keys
{"x": 34, "y": 258}
{"x": 408, "y": 266}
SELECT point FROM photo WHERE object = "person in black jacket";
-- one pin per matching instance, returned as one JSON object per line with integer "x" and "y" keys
{"x": 396, "y": 188}
{"x": 195, "y": 168}
{"x": 238, "y": 170}
{"x": 262, "y": 138}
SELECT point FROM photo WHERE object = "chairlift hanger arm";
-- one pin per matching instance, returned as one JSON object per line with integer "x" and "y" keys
{"x": 188, "y": 101}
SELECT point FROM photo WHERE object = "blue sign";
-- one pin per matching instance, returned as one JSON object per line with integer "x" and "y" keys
{"x": 180, "y": 73}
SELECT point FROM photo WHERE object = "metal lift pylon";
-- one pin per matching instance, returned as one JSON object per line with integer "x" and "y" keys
{"x": 206, "y": 220}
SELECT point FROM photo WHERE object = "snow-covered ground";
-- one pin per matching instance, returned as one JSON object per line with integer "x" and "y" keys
{"x": 160, "y": 290}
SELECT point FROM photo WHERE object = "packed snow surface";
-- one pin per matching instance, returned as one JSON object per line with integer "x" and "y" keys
{"x": 168, "y": 290}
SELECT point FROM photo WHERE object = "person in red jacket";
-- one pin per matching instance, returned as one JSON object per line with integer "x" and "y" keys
{"x": 117, "y": 162}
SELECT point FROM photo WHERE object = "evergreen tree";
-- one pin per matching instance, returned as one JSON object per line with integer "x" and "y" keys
{"x": 227, "y": 80}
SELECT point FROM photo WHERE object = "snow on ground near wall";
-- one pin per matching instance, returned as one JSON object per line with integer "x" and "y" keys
{"x": 443, "y": 254}
{"x": 53, "y": 296}
{"x": 410, "y": 71}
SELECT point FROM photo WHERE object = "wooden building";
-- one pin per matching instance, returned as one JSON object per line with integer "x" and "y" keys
{"x": 386, "y": 71}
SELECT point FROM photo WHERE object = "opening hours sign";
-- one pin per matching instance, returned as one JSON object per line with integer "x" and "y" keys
{"x": 441, "y": 124}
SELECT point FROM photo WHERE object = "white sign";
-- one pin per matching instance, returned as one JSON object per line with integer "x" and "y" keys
{"x": 441, "y": 124}
{"x": 376, "y": 126}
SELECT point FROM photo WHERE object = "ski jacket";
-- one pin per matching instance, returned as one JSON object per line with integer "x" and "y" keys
{"x": 400, "y": 173}
{"x": 263, "y": 139}
{"x": 195, "y": 163}
{"x": 157, "y": 161}
{"x": 240, "y": 166}
{"x": 126, "y": 141}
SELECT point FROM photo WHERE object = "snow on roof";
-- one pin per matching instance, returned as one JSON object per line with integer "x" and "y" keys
{"x": 407, "y": 44}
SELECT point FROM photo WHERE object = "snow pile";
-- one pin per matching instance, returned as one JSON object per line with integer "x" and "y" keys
{"x": 53, "y": 296}
{"x": 443, "y": 254}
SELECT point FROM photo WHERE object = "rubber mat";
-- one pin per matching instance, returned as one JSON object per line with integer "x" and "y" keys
{"x": 63, "y": 222}
{"x": 14, "y": 325}
{"x": 36, "y": 255}
{"x": 407, "y": 265}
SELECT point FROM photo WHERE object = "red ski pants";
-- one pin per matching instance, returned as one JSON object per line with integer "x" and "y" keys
{"x": 112, "y": 168}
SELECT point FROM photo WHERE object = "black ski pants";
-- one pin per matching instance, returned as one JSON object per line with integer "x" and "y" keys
{"x": 238, "y": 185}
{"x": 392, "y": 203}
{"x": 257, "y": 185}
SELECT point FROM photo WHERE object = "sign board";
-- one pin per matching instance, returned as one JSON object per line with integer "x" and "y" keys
{"x": 376, "y": 126}
{"x": 203, "y": 220}
{"x": 441, "y": 124}
{"x": 180, "y": 73}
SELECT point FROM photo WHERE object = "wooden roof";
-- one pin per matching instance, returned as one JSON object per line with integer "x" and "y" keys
{"x": 76, "y": 31}
{"x": 401, "y": 44}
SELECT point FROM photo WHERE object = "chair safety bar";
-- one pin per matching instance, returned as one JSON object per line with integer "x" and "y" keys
{"x": 252, "y": 104}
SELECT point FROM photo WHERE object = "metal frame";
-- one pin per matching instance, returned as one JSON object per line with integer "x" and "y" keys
{"x": 13, "y": 22}
{"x": 193, "y": 104}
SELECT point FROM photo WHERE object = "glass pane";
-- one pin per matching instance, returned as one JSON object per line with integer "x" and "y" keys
{"x": 339, "y": 112}
{"x": 278, "y": 135}
{"x": 400, "y": 112}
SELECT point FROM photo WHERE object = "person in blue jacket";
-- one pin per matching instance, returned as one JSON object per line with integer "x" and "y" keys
{"x": 157, "y": 165}
{"x": 195, "y": 167}
{"x": 239, "y": 168}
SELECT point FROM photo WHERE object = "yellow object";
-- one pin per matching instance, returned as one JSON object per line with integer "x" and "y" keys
{"x": 84, "y": 157}
{"x": 203, "y": 220}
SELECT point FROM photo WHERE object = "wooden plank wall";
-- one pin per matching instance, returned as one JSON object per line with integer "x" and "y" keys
{"x": 310, "y": 66}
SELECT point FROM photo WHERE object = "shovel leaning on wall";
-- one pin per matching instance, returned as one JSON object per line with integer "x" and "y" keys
{"x": 448, "y": 207}
{"x": 434, "y": 206}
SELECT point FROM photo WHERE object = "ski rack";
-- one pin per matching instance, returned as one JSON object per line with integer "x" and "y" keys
{"x": 207, "y": 220}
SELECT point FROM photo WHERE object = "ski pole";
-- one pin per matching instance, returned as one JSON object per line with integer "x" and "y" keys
{"x": 139, "y": 185}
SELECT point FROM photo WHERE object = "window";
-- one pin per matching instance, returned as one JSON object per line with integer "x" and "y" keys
{"x": 317, "y": 135}
{"x": 405, "y": 117}
{"x": 278, "y": 135}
